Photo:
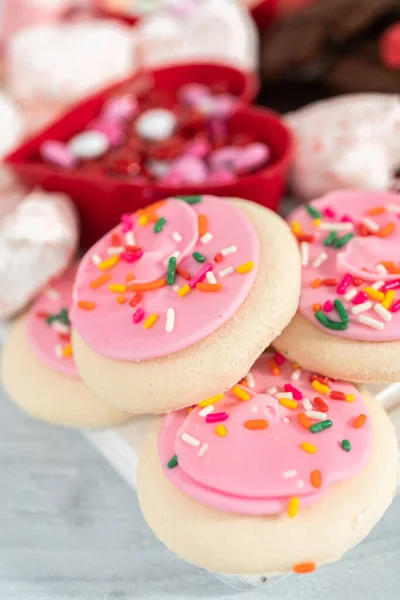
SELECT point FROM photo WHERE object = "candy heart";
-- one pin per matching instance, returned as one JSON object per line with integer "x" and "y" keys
{"x": 191, "y": 170}
{"x": 389, "y": 47}
{"x": 252, "y": 157}
{"x": 120, "y": 108}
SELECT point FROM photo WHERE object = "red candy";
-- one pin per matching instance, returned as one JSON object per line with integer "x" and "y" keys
{"x": 389, "y": 47}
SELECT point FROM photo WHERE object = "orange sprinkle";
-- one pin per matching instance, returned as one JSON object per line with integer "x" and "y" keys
{"x": 129, "y": 277}
{"x": 121, "y": 299}
{"x": 209, "y": 287}
{"x": 86, "y": 305}
{"x": 273, "y": 367}
{"x": 256, "y": 424}
{"x": 218, "y": 257}
{"x": 67, "y": 351}
{"x": 96, "y": 283}
{"x": 386, "y": 231}
{"x": 316, "y": 283}
{"x": 377, "y": 210}
{"x": 147, "y": 287}
{"x": 183, "y": 273}
{"x": 304, "y": 567}
{"x": 115, "y": 240}
{"x": 359, "y": 421}
{"x": 304, "y": 420}
{"x": 390, "y": 267}
{"x": 316, "y": 307}
{"x": 202, "y": 225}
{"x": 316, "y": 479}
{"x": 136, "y": 299}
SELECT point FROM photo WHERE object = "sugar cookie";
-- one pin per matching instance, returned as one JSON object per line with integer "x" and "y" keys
{"x": 38, "y": 369}
{"x": 348, "y": 320}
{"x": 285, "y": 472}
{"x": 162, "y": 298}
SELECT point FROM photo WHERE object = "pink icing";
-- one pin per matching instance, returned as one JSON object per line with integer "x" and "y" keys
{"x": 44, "y": 338}
{"x": 357, "y": 255}
{"x": 256, "y": 472}
{"x": 112, "y": 331}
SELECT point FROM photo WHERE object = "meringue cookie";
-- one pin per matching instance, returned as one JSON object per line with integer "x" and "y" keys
{"x": 347, "y": 142}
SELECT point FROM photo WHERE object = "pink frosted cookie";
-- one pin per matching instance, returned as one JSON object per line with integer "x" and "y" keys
{"x": 346, "y": 142}
{"x": 348, "y": 320}
{"x": 192, "y": 30}
{"x": 162, "y": 298}
{"x": 38, "y": 369}
{"x": 284, "y": 472}
{"x": 38, "y": 239}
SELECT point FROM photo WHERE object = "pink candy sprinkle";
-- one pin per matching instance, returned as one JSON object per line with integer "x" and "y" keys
{"x": 279, "y": 359}
{"x": 395, "y": 307}
{"x": 360, "y": 298}
{"x": 328, "y": 306}
{"x": 297, "y": 395}
{"x": 216, "y": 417}
{"x": 200, "y": 275}
{"x": 344, "y": 284}
{"x": 391, "y": 285}
{"x": 328, "y": 212}
{"x": 127, "y": 223}
{"x": 346, "y": 219}
{"x": 131, "y": 257}
{"x": 138, "y": 315}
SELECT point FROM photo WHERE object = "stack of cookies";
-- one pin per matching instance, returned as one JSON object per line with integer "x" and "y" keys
{"x": 245, "y": 332}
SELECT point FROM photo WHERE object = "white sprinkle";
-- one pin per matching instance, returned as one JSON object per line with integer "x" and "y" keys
{"x": 378, "y": 284}
{"x": 225, "y": 272}
{"x": 271, "y": 391}
{"x": 295, "y": 376}
{"x": 113, "y": 250}
{"x": 229, "y": 250}
{"x": 373, "y": 323}
{"x": 370, "y": 224}
{"x": 176, "y": 288}
{"x": 305, "y": 253}
{"x": 320, "y": 260}
{"x": 286, "y": 420}
{"x": 250, "y": 380}
{"x": 300, "y": 483}
{"x": 96, "y": 259}
{"x": 189, "y": 439}
{"x": 170, "y": 320}
{"x": 58, "y": 351}
{"x": 350, "y": 294}
{"x": 206, "y": 410}
{"x": 359, "y": 308}
{"x": 393, "y": 208}
{"x": 176, "y": 237}
{"x": 289, "y": 474}
{"x": 206, "y": 238}
{"x": 211, "y": 277}
{"x": 381, "y": 269}
{"x": 317, "y": 416}
{"x": 175, "y": 254}
{"x": 307, "y": 404}
{"x": 287, "y": 395}
{"x": 203, "y": 450}
{"x": 382, "y": 312}
{"x": 346, "y": 226}
{"x": 59, "y": 327}
{"x": 130, "y": 239}
{"x": 254, "y": 409}
{"x": 53, "y": 294}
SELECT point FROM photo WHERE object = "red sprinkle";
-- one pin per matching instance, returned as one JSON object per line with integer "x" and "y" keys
{"x": 329, "y": 282}
{"x": 279, "y": 358}
{"x": 43, "y": 315}
{"x": 115, "y": 240}
{"x": 328, "y": 306}
{"x": 391, "y": 285}
{"x": 297, "y": 395}
{"x": 334, "y": 395}
{"x": 218, "y": 258}
{"x": 395, "y": 307}
{"x": 138, "y": 315}
{"x": 183, "y": 273}
{"x": 305, "y": 237}
{"x": 357, "y": 281}
{"x": 136, "y": 299}
{"x": 320, "y": 405}
{"x": 360, "y": 298}
{"x": 216, "y": 417}
{"x": 321, "y": 379}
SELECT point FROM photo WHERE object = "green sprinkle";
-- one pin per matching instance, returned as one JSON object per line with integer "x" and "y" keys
{"x": 343, "y": 240}
{"x": 313, "y": 212}
{"x": 173, "y": 462}
{"x": 346, "y": 445}
{"x": 52, "y": 318}
{"x": 328, "y": 323}
{"x": 321, "y": 426}
{"x": 171, "y": 271}
{"x": 159, "y": 225}
{"x": 342, "y": 312}
{"x": 190, "y": 199}
{"x": 199, "y": 257}
{"x": 64, "y": 318}
{"x": 328, "y": 241}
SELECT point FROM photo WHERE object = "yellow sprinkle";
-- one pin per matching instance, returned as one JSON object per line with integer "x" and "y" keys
{"x": 210, "y": 401}
{"x": 374, "y": 294}
{"x": 109, "y": 263}
{"x": 221, "y": 430}
{"x": 67, "y": 351}
{"x": 320, "y": 387}
{"x": 296, "y": 227}
{"x": 143, "y": 220}
{"x": 296, "y": 365}
{"x": 293, "y": 508}
{"x": 184, "y": 290}
{"x": 350, "y": 397}
{"x": 309, "y": 448}
{"x": 149, "y": 322}
{"x": 117, "y": 287}
{"x": 121, "y": 299}
{"x": 245, "y": 267}
{"x": 240, "y": 393}
{"x": 388, "y": 300}
{"x": 317, "y": 222}
{"x": 292, "y": 404}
